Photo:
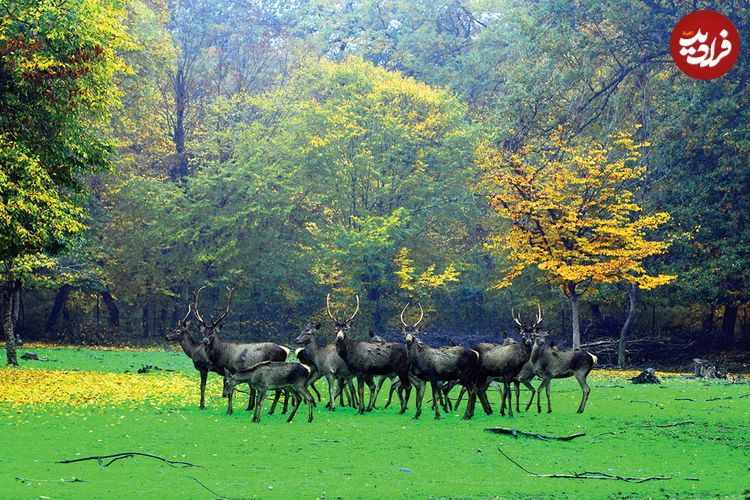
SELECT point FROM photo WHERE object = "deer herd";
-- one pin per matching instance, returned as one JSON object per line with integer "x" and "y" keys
{"x": 263, "y": 366}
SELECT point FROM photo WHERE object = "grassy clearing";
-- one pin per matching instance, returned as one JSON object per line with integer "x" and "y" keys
{"x": 346, "y": 455}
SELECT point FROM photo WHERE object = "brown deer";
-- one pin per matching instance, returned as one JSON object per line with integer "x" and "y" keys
{"x": 327, "y": 361}
{"x": 550, "y": 363}
{"x": 273, "y": 375}
{"x": 435, "y": 365}
{"x": 231, "y": 355}
{"x": 504, "y": 363}
{"x": 194, "y": 350}
{"x": 368, "y": 359}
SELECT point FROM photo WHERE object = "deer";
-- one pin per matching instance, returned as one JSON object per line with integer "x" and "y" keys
{"x": 194, "y": 350}
{"x": 274, "y": 375}
{"x": 435, "y": 365}
{"x": 503, "y": 362}
{"x": 304, "y": 357}
{"x": 367, "y": 359}
{"x": 231, "y": 355}
{"x": 327, "y": 362}
{"x": 551, "y": 363}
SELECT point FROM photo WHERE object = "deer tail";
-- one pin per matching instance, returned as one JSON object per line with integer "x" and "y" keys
{"x": 594, "y": 358}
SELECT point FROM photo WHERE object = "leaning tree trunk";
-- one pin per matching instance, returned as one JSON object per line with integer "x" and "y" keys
{"x": 57, "y": 308}
{"x": 626, "y": 327}
{"x": 6, "y": 306}
{"x": 574, "y": 316}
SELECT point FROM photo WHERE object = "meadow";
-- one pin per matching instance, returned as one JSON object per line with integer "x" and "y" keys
{"x": 87, "y": 402}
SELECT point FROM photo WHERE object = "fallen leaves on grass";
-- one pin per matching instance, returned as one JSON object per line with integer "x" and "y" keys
{"x": 24, "y": 387}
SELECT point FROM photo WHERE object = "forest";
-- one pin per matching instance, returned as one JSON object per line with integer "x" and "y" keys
{"x": 471, "y": 155}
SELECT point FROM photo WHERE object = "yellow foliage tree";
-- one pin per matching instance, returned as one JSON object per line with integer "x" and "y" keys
{"x": 573, "y": 213}
{"x": 419, "y": 283}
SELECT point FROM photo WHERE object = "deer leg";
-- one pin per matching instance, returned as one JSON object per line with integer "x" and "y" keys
{"x": 259, "y": 397}
{"x": 539, "y": 395}
{"x": 517, "y": 387}
{"x": 310, "y": 402}
{"x": 276, "y": 397}
{"x": 395, "y": 385}
{"x": 251, "y": 400}
{"x": 354, "y": 401}
{"x": 297, "y": 402}
{"x": 373, "y": 393}
{"x": 381, "y": 381}
{"x": 586, "y": 390}
{"x": 420, "y": 395}
{"x": 331, "y": 391}
{"x": 549, "y": 401}
{"x": 460, "y": 396}
{"x": 436, "y": 395}
{"x": 508, "y": 395}
{"x": 204, "y": 376}
{"x": 531, "y": 388}
{"x": 229, "y": 401}
{"x": 361, "y": 393}
{"x": 447, "y": 387}
{"x": 470, "y": 403}
{"x": 503, "y": 397}
{"x": 315, "y": 390}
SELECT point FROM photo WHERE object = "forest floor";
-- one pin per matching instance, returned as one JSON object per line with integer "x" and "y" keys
{"x": 690, "y": 436}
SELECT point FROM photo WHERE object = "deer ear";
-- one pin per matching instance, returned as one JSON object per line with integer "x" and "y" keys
{"x": 317, "y": 327}
{"x": 227, "y": 373}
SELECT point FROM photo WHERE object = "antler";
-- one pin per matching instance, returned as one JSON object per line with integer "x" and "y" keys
{"x": 421, "y": 316}
{"x": 196, "y": 312}
{"x": 518, "y": 319}
{"x": 190, "y": 310}
{"x": 539, "y": 315}
{"x": 328, "y": 308}
{"x": 402, "y": 315}
{"x": 356, "y": 310}
{"x": 226, "y": 310}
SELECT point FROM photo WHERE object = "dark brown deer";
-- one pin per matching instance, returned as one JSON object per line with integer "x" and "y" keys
{"x": 231, "y": 355}
{"x": 272, "y": 375}
{"x": 502, "y": 363}
{"x": 194, "y": 350}
{"x": 327, "y": 361}
{"x": 368, "y": 359}
{"x": 550, "y": 363}
{"x": 435, "y": 365}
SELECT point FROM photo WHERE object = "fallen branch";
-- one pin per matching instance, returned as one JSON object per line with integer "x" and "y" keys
{"x": 29, "y": 481}
{"x": 586, "y": 474}
{"x": 129, "y": 454}
{"x": 674, "y": 424}
{"x": 744, "y": 395}
{"x": 661, "y": 407}
{"x": 207, "y": 488}
{"x": 516, "y": 433}
{"x": 683, "y": 399}
{"x": 719, "y": 399}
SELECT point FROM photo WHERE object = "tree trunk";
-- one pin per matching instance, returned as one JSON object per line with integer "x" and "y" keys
{"x": 728, "y": 322}
{"x": 626, "y": 327}
{"x": 114, "y": 312}
{"x": 144, "y": 320}
{"x": 57, "y": 308}
{"x": 574, "y": 316}
{"x": 6, "y": 307}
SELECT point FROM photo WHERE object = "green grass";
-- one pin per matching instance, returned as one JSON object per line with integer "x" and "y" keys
{"x": 345, "y": 455}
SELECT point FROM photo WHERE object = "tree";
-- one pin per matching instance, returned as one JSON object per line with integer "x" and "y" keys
{"x": 56, "y": 85}
{"x": 573, "y": 214}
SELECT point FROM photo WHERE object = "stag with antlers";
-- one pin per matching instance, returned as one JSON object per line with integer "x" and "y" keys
{"x": 436, "y": 365}
{"x": 503, "y": 363}
{"x": 194, "y": 350}
{"x": 368, "y": 359}
{"x": 234, "y": 356}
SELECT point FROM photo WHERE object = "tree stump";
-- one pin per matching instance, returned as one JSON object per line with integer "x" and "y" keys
{"x": 647, "y": 376}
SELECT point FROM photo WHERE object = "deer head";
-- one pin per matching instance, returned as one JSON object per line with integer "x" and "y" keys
{"x": 182, "y": 326}
{"x": 210, "y": 329}
{"x": 306, "y": 336}
{"x": 340, "y": 326}
{"x": 528, "y": 332}
{"x": 230, "y": 382}
{"x": 411, "y": 332}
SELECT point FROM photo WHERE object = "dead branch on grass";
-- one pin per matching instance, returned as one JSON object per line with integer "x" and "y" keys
{"x": 129, "y": 454}
{"x": 516, "y": 433}
{"x": 586, "y": 474}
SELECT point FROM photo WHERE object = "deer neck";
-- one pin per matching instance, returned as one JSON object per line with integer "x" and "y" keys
{"x": 536, "y": 353}
{"x": 189, "y": 346}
